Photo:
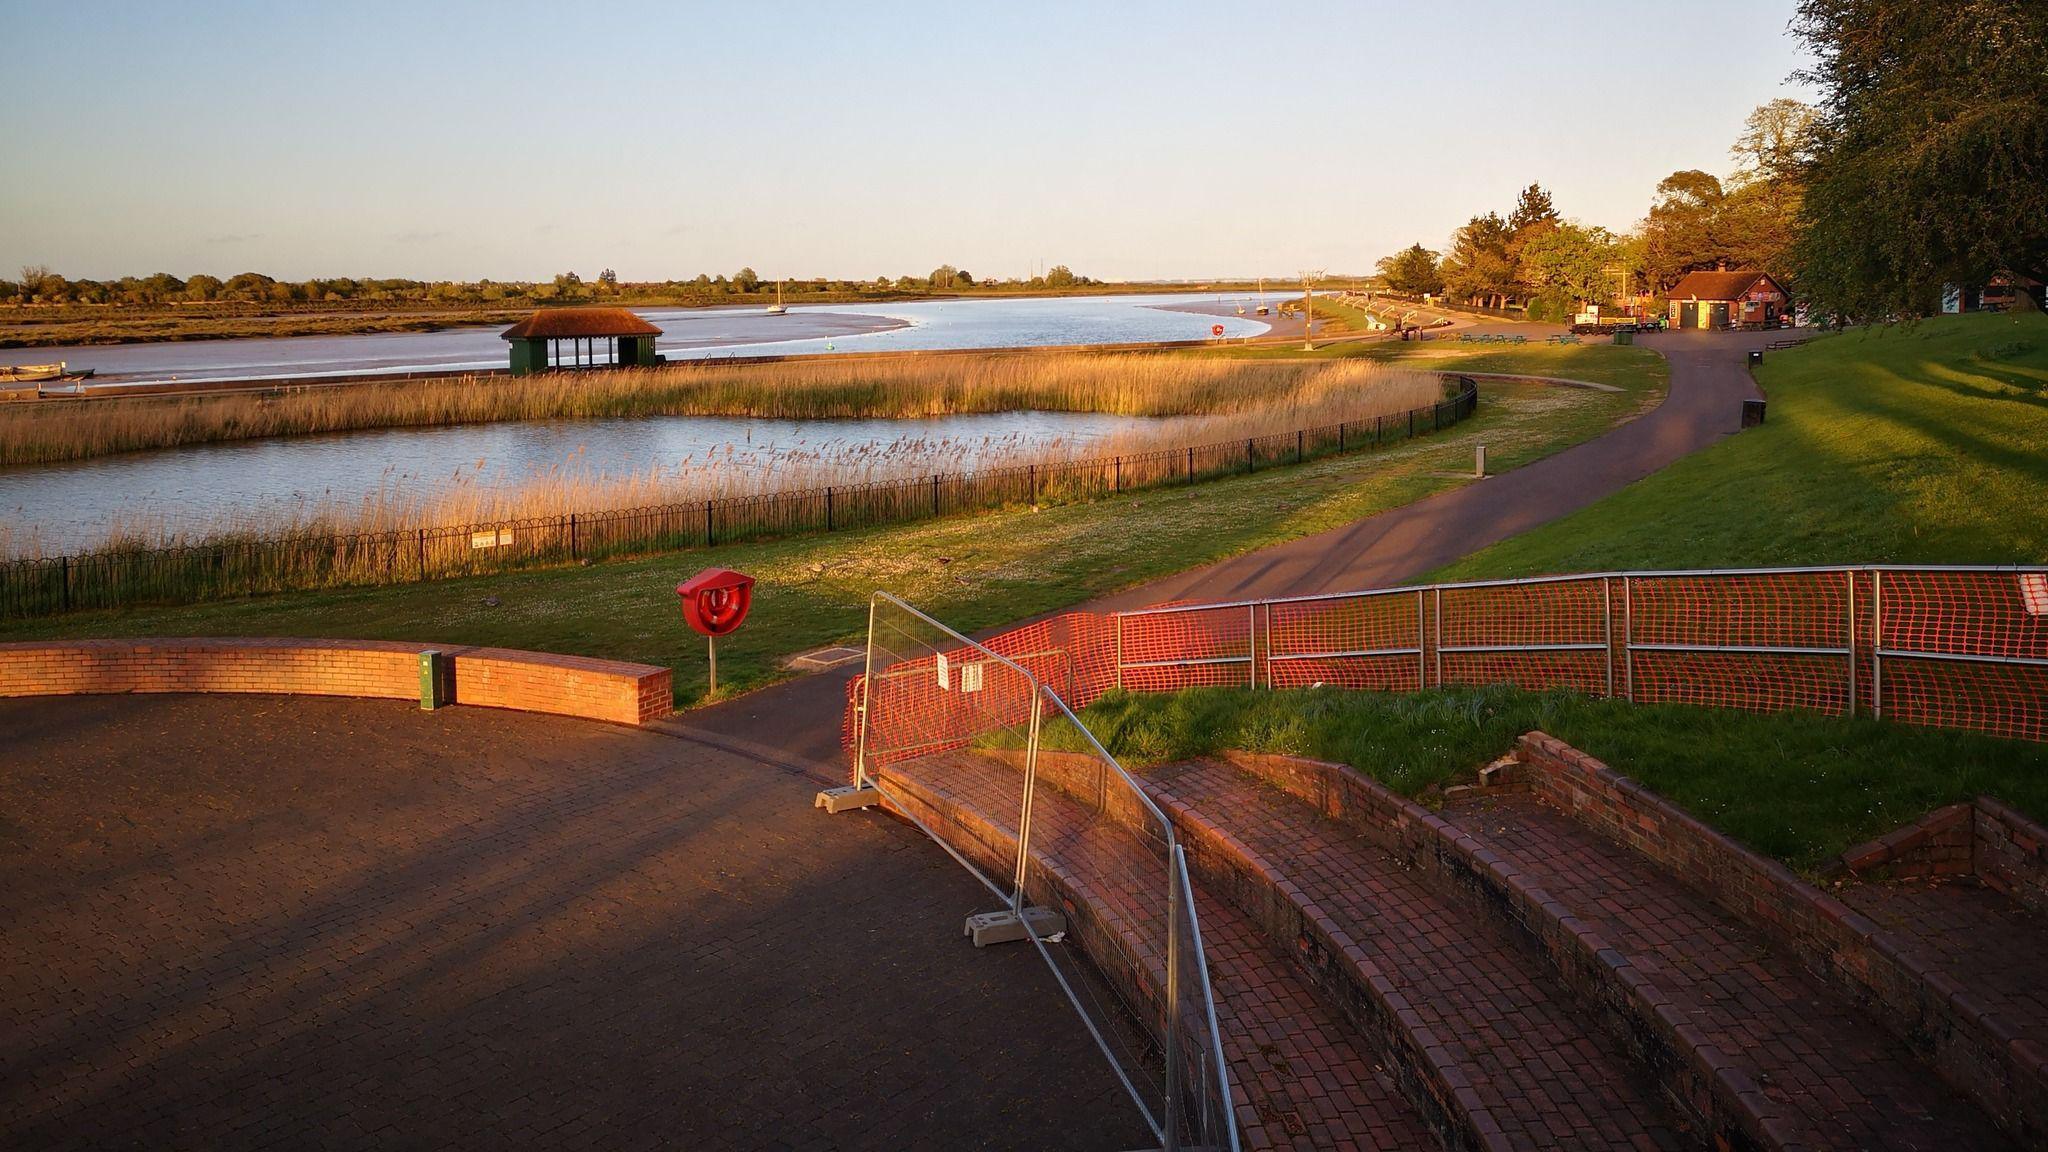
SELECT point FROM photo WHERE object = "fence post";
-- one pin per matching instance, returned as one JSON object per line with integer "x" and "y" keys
{"x": 1032, "y": 471}
{"x": 1119, "y": 474}
{"x": 1173, "y": 1105}
{"x": 1340, "y": 437}
{"x": 574, "y": 551}
{"x": 1249, "y": 466}
{"x": 1628, "y": 638}
{"x": 828, "y": 508}
{"x": 1607, "y": 626}
{"x": 1877, "y": 643}
{"x": 707, "y": 524}
{"x": 1421, "y": 642}
{"x": 1191, "y": 465}
{"x": 1299, "y": 435}
{"x": 64, "y": 587}
{"x": 420, "y": 547}
{"x": 1119, "y": 619}
{"x": 935, "y": 493}
{"x": 1851, "y": 575}
{"x": 1437, "y": 595}
{"x": 1411, "y": 423}
{"x": 1377, "y": 421}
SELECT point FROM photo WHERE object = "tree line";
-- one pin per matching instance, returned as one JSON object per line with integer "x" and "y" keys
{"x": 1924, "y": 164}
{"x": 38, "y": 284}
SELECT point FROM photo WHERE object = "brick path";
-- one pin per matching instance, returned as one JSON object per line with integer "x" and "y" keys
{"x": 240, "y": 922}
{"x": 1989, "y": 943}
{"x": 1487, "y": 1000}
{"x": 1839, "y": 1080}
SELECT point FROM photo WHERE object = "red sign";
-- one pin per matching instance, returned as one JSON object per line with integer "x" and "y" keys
{"x": 1215, "y": 329}
{"x": 715, "y": 601}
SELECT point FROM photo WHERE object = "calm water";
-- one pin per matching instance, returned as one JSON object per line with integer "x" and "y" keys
{"x": 807, "y": 330}
{"x": 72, "y": 504}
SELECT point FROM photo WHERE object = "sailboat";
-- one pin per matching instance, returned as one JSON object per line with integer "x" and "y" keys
{"x": 776, "y": 309}
{"x": 1262, "y": 295}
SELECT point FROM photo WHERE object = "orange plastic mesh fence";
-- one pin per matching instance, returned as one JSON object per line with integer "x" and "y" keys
{"x": 1948, "y": 647}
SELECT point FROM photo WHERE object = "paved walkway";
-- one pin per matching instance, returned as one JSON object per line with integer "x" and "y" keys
{"x": 237, "y": 922}
{"x": 1709, "y": 381}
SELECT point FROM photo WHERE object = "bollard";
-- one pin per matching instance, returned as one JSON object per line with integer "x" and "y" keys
{"x": 1479, "y": 462}
{"x": 1752, "y": 413}
{"x": 437, "y": 680}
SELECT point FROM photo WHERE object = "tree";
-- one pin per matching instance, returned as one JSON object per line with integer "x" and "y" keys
{"x": 1681, "y": 233}
{"x": 1776, "y": 144}
{"x": 746, "y": 280}
{"x": 1413, "y": 270}
{"x": 1571, "y": 260}
{"x": 1929, "y": 153}
{"x": 1059, "y": 276}
{"x": 1479, "y": 265}
{"x": 203, "y": 287}
{"x": 1532, "y": 209}
{"x": 943, "y": 276}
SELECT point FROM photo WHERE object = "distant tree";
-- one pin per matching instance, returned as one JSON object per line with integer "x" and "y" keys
{"x": 203, "y": 287}
{"x": 943, "y": 276}
{"x": 1532, "y": 208}
{"x": 910, "y": 283}
{"x": 701, "y": 282}
{"x": 1479, "y": 265}
{"x": 1929, "y": 156}
{"x": 746, "y": 280}
{"x": 1413, "y": 270}
{"x": 1059, "y": 276}
{"x": 10, "y": 291}
{"x": 964, "y": 278}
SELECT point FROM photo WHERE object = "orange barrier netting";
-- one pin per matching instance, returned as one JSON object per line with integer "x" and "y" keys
{"x": 1956, "y": 647}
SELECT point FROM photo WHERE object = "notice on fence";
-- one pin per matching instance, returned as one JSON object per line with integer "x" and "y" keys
{"x": 497, "y": 538}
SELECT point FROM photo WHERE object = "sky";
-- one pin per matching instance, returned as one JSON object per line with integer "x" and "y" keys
{"x": 446, "y": 140}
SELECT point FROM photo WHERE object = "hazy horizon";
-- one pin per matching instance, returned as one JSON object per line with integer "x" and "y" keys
{"x": 461, "y": 140}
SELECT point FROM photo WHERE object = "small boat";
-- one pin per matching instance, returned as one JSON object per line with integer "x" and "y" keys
{"x": 33, "y": 373}
{"x": 776, "y": 309}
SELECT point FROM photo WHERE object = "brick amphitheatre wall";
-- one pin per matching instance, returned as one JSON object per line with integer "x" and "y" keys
{"x": 485, "y": 677}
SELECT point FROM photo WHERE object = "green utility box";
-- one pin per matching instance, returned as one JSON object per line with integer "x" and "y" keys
{"x": 1624, "y": 337}
{"x": 437, "y": 680}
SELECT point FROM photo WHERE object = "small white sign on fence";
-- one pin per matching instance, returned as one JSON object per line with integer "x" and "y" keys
{"x": 945, "y": 673}
{"x": 497, "y": 538}
{"x": 2034, "y": 592}
{"x": 970, "y": 677}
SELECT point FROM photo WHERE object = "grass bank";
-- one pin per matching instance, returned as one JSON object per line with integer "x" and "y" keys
{"x": 819, "y": 389}
{"x": 1797, "y": 786}
{"x": 972, "y": 572}
{"x": 1913, "y": 444}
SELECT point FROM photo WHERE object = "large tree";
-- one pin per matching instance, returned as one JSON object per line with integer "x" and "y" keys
{"x": 1480, "y": 265}
{"x": 1930, "y": 153}
{"x": 1412, "y": 270}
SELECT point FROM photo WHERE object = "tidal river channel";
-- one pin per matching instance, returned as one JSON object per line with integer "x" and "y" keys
{"x": 69, "y": 506}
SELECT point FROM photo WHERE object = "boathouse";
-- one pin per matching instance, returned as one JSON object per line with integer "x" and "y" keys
{"x": 1727, "y": 299}
{"x": 555, "y": 338}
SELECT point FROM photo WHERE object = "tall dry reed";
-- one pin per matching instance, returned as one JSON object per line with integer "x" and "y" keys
{"x": 1123, "y": 385}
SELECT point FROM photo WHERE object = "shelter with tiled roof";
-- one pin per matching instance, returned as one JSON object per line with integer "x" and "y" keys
{"x": 580, "y": 338}
{"x": 1722, "y": 299}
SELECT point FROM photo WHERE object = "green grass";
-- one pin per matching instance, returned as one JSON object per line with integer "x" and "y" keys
{"x": 1919, "y": 444}
{"x": 972, "y": 572}
{"x": 1797, "y": 786}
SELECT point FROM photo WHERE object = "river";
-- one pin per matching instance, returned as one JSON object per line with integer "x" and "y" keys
{"x": 692, "y": 334}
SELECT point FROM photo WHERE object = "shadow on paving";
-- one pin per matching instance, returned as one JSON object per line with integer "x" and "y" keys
{"x": 236, "y": 921}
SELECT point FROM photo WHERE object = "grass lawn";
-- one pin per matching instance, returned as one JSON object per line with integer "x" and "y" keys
{"x": 1796, "y": 786}
{"x": 1921, "y": 444}
{"x": 971, "y": 571}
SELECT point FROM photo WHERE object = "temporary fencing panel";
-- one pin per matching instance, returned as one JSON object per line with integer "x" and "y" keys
{"x": 954, "y": 734}
{"x": 1957, "y": 647}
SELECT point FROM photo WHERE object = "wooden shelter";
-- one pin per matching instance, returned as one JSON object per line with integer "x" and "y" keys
{"x": 580, "y": 338}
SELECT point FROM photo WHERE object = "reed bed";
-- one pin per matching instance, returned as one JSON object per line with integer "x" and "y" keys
{"x": 570, "y": 516}
{"x": 1122, "y": 385}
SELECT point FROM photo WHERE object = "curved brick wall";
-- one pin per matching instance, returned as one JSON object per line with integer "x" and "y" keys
{"x": 486, "y": 677}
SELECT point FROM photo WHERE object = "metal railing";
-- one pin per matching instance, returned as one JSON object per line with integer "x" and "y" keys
{"x": 952, "y": 733}
{"x": 207, "y": 571}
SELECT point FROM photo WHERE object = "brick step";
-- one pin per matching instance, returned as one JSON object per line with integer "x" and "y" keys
{"x": 1479, "y": 1028}
{"x": 1766, "y": 1052}
{"x": 1300, "y": 1078}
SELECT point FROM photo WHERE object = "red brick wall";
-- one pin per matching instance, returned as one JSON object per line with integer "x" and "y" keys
{"x": 1938, "y": 844}
{"x": 2012, "y": 853}
{"x": 488, "y": 677}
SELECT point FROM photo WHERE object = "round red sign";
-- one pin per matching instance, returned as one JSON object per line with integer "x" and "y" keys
{"x": 1215, "y": 329}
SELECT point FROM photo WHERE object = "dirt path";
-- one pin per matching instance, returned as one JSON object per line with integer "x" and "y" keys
{"x": 1709, "y": 380}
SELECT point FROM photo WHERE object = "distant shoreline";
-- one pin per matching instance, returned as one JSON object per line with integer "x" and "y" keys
{"x": 88, "y": 325}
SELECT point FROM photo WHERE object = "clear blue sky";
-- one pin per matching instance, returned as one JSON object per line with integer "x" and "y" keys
{"x": 511, "y": 140}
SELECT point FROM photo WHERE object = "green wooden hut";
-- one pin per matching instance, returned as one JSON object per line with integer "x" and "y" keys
{"x": 556, "y": 338}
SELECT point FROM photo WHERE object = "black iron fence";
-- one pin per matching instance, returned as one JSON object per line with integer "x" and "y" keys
{"x": 215, "y": 570}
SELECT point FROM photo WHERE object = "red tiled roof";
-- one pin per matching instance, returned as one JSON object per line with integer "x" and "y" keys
{"x": 577, "y": 323}
{"x": 1718, "y": 285}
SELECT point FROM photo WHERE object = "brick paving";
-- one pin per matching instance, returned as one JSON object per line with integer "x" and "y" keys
{"x": 240, "y": 922}
{"x": 1841, "y": 1081}
{"x": 1502, "y": 1019}
{"x": 1302, "y": 1079}
{"x": 1987, "y": 942}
